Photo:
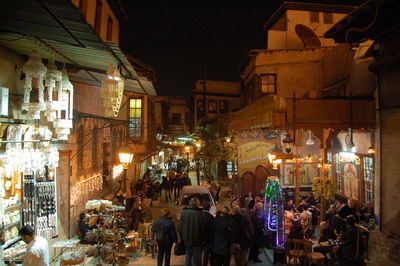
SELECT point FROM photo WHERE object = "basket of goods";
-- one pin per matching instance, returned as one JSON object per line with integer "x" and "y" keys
{"x": 107, "y": 235}
{"x": 92, "y": 236}
{"x": 72, "y": 258}
{"x": 106, "y": 250}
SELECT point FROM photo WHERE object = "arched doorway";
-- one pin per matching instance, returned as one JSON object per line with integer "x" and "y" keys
{"x": 260, "y": 177}
{"x": 248, "y": 179}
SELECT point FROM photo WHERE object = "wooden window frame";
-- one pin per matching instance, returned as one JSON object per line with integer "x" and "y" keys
{"x": 274, "y": 84}
{"x": 141, "y": 119}
{"x": 110, "y": 25}
{"x": 98, "y": 16}
{"x": 209, "y": 105}
{"x": 314, "y": 17}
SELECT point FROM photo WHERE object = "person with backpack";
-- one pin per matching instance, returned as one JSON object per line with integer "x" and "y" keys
{"x": 165, "y": 233}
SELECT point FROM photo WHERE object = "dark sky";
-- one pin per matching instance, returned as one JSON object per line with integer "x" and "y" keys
{"x": 178, "y": 39}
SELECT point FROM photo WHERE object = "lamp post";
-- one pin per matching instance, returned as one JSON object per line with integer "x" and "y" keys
{"x": 187, "y": 150}
{"x": 125, "y": 157}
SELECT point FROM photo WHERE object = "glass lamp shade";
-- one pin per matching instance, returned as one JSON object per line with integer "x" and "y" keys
{"x": 125, "y": 156}
{"x": 310, "y": 140}
{"x": 288, "y": 143}
{"x": 113, "y": 89}
{"x": 187, "y": 148}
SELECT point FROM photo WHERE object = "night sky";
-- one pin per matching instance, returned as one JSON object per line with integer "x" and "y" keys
{"x": 180, "y": 39}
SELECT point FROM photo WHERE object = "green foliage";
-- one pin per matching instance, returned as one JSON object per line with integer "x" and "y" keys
{"x": 214, "y": 148}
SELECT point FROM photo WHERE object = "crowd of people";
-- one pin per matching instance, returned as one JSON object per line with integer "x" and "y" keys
{"x": 236, "y": 232}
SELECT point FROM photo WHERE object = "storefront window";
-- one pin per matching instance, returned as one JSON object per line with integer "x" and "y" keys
{"x": 338, "y": 173}
{"x": 368, "y": 164}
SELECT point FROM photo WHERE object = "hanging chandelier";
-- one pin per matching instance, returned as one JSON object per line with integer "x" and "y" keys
{"x": 52, "y": 81}
{"x": 310, "y": 140}
{"x": 113, "y": 89}
{"x": 63, "y": 123}
{"x": 34, "y": 71}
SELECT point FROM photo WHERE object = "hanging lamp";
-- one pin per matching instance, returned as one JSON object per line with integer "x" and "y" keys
{"x": 52, "y": 81}
{"x": 34, "y": 71}
{"x": 63, "y": 123}
{"x": 113, "y": 89}
{"x": 310, "y": 140}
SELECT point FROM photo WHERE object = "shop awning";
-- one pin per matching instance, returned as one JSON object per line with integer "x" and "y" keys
{"x": 58, "y": 30}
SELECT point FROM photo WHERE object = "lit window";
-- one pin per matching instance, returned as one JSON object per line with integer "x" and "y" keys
{"x": 135, "y": 118}
{"x": 338, "y": 173}
{"x": 328, "y": 18}
{"x": 368, "y": 164}
{"x": 223, "y": 107}
{"x": 231, "y": 168}
{"x": 212, "y": 107}
{"x": 314, "y": 17}
{"x": 268, "y": 83}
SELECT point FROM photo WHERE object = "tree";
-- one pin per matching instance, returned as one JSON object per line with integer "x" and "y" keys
{"x": 214, "y": 148}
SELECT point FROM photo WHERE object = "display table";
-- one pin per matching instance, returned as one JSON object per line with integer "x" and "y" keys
{"x": 66, "y": 244}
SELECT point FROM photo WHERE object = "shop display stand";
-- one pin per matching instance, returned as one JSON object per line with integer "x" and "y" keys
{"x": 110, "y": 242}
{"x": 40, "y": 203}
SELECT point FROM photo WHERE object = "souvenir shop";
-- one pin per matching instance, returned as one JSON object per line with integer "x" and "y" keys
{"x": 28, "y": 194}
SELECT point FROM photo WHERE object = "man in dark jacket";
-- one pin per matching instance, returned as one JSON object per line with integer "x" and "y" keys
{"x": 226, "y": 231}
{"x": 165, "y": 232}
{"x": 208, "y": 235}
{"x": 190, "y": 231}
{"x": 257, "y": 219}
{"x": 348, "y": 249}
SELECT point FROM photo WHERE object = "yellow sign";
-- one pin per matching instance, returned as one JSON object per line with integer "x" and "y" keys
{"x": 253, "y": 151}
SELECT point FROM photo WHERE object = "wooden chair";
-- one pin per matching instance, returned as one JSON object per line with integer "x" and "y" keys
{"x": 150, "y": 243}
{"x": 295, "y": 250}
{"x": 310, "y": 256}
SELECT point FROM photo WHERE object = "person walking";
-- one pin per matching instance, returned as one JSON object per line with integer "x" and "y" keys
{"x": 190, "y": 232}
{"x": 248, "y": 235}
{"x": 257, "y": 219}
{"x": 165, "y": 232}
{"x": 225, "y": 233}
{"x": 38, "y": 249}
{"x": 207, "y": 222}
{"x": 239, "y": 241}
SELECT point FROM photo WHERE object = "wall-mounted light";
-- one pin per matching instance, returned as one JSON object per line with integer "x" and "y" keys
{"x": 371, "y": 150}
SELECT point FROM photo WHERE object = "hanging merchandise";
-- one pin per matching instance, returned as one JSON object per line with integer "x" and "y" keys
{"x": 52, "y": 81}
{"x": 273, "y": 206}
{"x": 63, "y": 123}
{"x": 113, "y": 89}
{"x": 34, "y": 71}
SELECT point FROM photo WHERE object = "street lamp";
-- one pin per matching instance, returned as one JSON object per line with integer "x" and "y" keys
{"x": 125, "y": 157}
{"x": 187, "y": 150}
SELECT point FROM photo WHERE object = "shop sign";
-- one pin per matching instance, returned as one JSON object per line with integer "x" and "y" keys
{"x": 253, "y": 151}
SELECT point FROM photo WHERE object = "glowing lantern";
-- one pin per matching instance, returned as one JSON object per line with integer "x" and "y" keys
{"x": 52, "y": 80}
{"x": 63, "y": 123}
{"x": 113, "y": 89}
{"x": 34, "y": 71}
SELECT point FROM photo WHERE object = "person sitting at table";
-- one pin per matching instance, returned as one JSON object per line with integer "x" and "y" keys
{"x": 296, "y": 231}
{"x": 347, "y": 251}
{"x": 325, "y": 234}
{"x": 289, "y": 219}
{"x": 305, "y": 221}
{"x": 304, "y": 206}
{"x": 83, "y": 228}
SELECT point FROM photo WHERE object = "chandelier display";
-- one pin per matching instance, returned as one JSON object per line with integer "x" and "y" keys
{"x": 52, "y": 81}
{"x": 113, "y": 89}
{"x": 63, "y": 123}
{"x": 34, "y": 71}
